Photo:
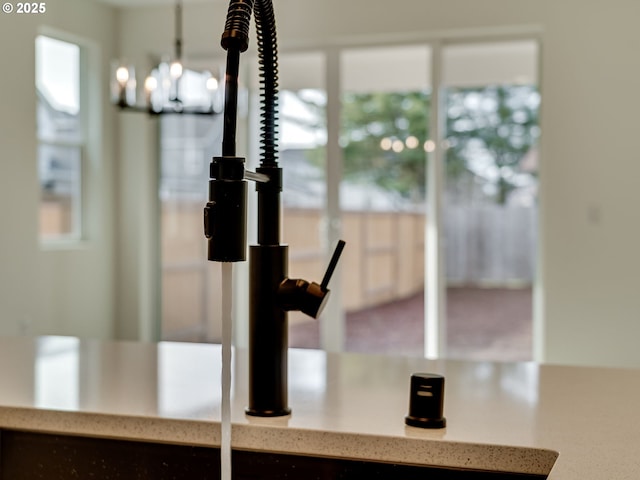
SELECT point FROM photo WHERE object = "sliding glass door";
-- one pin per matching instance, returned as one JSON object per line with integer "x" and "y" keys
{"x": 490, "y": 104}
{"x": 384, "y": 133}
{"x": 424, "y": 158}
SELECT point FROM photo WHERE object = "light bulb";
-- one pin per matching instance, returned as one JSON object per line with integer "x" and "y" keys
{"x": 122, "y": 75}
{"x": 175, "y": 70}
{"x": 150, "y": 84}
{"x": 212, "y": 84}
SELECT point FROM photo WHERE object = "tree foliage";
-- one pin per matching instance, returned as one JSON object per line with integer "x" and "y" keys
{"x": 368, "y": 119}
{"x": 489, "y": 131}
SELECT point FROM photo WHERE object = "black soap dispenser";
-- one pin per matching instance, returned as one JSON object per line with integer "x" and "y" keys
{"x": 426, "y": 401}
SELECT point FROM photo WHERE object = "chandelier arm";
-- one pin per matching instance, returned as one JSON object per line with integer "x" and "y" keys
{"x": 178, "y": 41}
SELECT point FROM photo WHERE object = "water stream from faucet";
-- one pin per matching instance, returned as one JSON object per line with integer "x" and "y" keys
{"x": 225, "y": 406}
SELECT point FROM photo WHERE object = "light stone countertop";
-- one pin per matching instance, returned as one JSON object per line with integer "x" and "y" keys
{"x": 505, "y": 416}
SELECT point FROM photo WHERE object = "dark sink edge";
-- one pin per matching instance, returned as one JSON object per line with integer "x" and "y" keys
{"x": 374, "y": 469}
{"x": 25, "y": 455}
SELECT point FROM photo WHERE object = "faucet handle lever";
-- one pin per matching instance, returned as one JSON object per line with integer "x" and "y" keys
{"x": 333, "y": 263}
{"x": 308, "y": 297}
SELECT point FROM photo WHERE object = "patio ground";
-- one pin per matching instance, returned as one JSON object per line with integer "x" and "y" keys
{"x": 482, "y": 324}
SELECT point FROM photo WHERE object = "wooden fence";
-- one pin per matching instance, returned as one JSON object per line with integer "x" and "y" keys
{"x": 490, "y": 245}
{"x": 384, "y": 259}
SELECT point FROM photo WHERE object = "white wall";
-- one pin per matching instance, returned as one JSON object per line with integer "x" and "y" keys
{"x": 63, "y": 290}
{"x": 137, "y": 229}
{"x": 591, "y": 222}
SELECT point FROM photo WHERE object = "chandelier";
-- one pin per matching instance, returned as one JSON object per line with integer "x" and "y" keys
{"x": 169, "y": 87}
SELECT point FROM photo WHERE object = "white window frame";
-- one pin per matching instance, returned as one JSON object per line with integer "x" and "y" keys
{"x": 78, "y": 233}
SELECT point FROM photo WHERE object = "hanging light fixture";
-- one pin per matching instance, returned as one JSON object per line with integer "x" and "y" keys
{"x": 170, "y": 87}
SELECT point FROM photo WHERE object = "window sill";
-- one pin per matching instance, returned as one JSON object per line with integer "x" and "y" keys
{"x": 49, "y": 245}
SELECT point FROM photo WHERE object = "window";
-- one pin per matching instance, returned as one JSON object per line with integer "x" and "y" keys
{"x": 60, "y": 138}
{"x": 190, "y": 284}
{"x": 431, "y": 178}
{"x": 392, "y": 218}
{"x": 302, "y": 142}
{"x": 490, "y": 119}
{"x": 384, "y": 138}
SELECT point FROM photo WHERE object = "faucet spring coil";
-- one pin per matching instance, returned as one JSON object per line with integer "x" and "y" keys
{"x": 268, "y": 61}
